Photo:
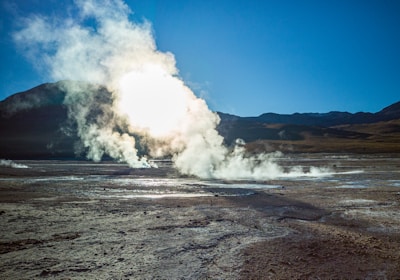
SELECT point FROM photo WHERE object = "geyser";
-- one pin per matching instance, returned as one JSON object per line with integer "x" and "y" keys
{"x": 148, "y": 97}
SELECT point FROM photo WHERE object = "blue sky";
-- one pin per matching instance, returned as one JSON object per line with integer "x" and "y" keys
{"x": 251, "y": 57}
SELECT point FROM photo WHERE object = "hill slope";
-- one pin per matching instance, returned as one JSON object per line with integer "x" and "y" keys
{"x": 332, "y": 118}
{"x": 32, "y": 122}
{"x": 35, "y": 124}
{"x": 315, "y": 132}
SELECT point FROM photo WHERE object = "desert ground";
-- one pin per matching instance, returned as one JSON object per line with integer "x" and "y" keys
{"x": 84, "y": 220}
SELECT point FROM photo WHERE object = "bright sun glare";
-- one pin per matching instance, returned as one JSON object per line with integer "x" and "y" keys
{"x": 153, "y": 100}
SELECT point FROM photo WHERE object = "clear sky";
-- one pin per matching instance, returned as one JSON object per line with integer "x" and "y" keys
{"x": 250, "y": 57}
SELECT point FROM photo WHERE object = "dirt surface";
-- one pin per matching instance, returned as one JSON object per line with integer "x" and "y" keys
{"x": 78, "y": 220}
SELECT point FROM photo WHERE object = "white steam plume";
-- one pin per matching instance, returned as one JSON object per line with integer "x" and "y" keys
{"x": 148, "y": 97}
{"x": 12, "y": 164}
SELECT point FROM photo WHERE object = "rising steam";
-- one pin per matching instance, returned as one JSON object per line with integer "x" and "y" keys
{"x": 148, "y": 97}
{"x": 12, "y": 164}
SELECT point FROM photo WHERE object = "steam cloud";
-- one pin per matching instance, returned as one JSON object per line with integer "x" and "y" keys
{"x": 148, "y": 97}
{"x": 12, "y": 164}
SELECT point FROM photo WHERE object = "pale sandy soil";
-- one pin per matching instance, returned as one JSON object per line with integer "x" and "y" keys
{"x": 69, "y": 220}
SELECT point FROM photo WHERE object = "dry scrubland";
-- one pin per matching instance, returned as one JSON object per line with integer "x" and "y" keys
{"x": 77, "y": 220}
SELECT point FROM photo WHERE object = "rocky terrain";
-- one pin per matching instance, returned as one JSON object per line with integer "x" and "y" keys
{"x": 80, "y": 220}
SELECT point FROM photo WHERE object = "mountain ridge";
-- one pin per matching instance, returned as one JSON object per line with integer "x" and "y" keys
{"x": 35, "y": 124}
{"x": 54, "y": 94}
{"x": 333, "y": 117}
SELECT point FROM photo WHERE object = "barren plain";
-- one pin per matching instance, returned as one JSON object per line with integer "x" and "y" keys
{"x": 83, "y": 220}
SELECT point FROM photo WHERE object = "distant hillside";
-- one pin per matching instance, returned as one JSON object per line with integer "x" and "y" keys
{"x": 317, "y": 132}
{"x": 31, "y": 124}
{"x": 331, "y": 118}
{"x": 38, "y": 97}
{"x": 34, "y": 124}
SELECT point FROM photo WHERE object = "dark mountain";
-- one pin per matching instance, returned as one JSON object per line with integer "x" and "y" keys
{"x": 35, "y": 124}
{"x": 390, "y": 112}
{"x": 42, "y": 96}
{"x": 254, "y": 129}
{"x": 31, "y": 124}
{"x": 331, "y": 118}
{"x": 295, "y": 126}
{"x": 317, "y": 132}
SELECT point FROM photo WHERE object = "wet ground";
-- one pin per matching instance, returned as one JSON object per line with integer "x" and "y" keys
{"x": 83, "y": 220}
